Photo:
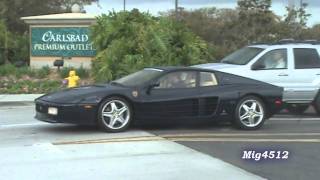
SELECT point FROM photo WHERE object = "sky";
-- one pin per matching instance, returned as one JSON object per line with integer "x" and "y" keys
{"x": 155, "y": 6}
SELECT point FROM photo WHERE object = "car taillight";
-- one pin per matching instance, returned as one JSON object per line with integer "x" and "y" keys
{"x": 278, "y": 102}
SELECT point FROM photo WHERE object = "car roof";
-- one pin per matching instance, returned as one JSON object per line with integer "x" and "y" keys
{"x": 291, "y": 45}
{"x": 177, "y": 68}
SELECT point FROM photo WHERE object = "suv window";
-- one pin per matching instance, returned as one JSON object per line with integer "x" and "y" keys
{"x": 207, "y": 79}
{"x": 274, "y": 59}
{"x": 306, "y": 58}
{"x": 183, "y": 79}
{"x": 242, "y": 56}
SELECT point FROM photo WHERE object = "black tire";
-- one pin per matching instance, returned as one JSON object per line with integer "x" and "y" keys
{"x": 102, "y": 121}
{"x": 237, "y": 113}
{"x": 316, "y": 104}
{"x": 297, "y": 109}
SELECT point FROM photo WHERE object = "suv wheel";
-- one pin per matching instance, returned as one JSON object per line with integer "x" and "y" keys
{"x": 316, "y": 104}
{"x": 114, "y": 115}
{"x": 250, "y": 113}
{"x": 297, "y": 108}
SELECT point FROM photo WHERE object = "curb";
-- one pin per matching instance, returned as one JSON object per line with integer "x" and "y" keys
{"x": 7, "y": 99}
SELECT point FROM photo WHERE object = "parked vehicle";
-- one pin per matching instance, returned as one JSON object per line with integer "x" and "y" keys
{"x": 293, "y": 65}
{"x": 165, "y": 94}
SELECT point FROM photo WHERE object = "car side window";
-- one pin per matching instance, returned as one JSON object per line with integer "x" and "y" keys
{"x": 181, "y": 79}
{"x": 306, "y": 58}
{"x": 208, "y": 79}
{"x": 274, "y": 59}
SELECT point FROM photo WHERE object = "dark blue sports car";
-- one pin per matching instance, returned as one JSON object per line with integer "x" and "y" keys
{"x": 163, "y": 94}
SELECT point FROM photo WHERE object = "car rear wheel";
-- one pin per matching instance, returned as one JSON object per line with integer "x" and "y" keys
{"x": 250, "y": 113}
{"x": 297, "y": 108}
{"x": 114, "y": 115}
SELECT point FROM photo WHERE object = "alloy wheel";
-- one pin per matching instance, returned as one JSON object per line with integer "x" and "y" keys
{"x": 251, "y": 113}
{"x": 115, "y": 114}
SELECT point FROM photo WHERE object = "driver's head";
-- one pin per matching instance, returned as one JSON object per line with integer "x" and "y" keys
{"x": 174, "y": 77}
{"x": 278, "y": 56}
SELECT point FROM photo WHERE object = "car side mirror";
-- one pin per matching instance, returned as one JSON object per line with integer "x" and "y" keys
{"x": 258, "y": 67}
{"x": 151, "y": 86}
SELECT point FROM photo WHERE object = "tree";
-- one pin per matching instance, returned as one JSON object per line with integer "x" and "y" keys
{"x": 257, "y": 19}
{"x": 229, "y": 29}
{"x": 13, "y": 47}
{"x": 129, "y": 41}
{"x": 3, "y": 43}
{"x": 297, "y": 15}
{"x": 296, "y": 21}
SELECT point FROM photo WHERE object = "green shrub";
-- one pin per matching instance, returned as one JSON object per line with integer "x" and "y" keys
{"x": 25, "y": 71}
{"x": 50, "y": 86}
{"x": 64, "y": 72}
{"x": 43, "y": 72}
{"x": 81, "y": 72}
{"x": 129, "y": 41}
{"x": 11, "y": 70}
{"x": 7, "y": 69}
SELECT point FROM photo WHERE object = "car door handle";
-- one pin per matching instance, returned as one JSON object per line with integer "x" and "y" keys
{"x": 282, "y": 74}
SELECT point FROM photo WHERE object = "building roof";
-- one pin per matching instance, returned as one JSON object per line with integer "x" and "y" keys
{"x": 61, "y": 16}
{"x": 73, "y": 18}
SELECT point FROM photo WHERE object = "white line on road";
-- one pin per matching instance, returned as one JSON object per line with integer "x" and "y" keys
{"x": 186, "y": 135}
{"x": 243, "y": 140}
{"x": 198, "y": 136}
{"x": 294, "y": 119}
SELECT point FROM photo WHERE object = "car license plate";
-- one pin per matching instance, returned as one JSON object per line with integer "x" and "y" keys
{"x": 53, "y": 111}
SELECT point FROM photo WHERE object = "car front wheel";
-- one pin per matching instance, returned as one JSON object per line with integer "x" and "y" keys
{"x": 250, "y": 113}
{"x": 114, "y": 115}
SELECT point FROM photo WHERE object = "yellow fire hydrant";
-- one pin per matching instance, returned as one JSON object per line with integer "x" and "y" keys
{"x": 72, "y": 79}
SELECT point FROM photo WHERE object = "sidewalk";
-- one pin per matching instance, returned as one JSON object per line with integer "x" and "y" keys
{"x": 10, "y": 98}
{"x": 161, "y": 159}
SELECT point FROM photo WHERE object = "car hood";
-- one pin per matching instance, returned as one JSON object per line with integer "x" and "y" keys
{"x": 79, "y": 94}
{"x": 218, "y": 66}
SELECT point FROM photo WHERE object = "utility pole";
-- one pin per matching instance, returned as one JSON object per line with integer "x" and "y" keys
{"x": 291, "y": 4}
{"x": 6, "y": 58}
{"x": 124, "y": 5}
{"x": 176, "y": 8}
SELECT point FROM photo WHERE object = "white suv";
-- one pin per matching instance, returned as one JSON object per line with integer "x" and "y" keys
{"x": 290, "y": 64}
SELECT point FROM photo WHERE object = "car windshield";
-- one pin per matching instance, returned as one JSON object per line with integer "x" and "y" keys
{"x": 242, "y": 56}
{"x": 138, "y": 78}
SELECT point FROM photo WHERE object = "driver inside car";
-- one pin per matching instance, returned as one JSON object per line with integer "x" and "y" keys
{"x": 277, "y": 62}
{"x": 175, "y": 81}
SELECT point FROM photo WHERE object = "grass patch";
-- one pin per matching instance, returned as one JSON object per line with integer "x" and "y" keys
{"x": 27, "y": 86}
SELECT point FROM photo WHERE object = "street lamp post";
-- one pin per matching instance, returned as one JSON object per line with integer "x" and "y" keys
{"x": 124, "y": 5}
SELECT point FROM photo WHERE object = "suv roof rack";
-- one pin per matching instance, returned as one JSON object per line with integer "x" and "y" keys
{"x": 292, "y": 41}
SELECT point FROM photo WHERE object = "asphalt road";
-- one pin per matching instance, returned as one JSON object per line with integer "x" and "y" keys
{"x": 299, "y": 135}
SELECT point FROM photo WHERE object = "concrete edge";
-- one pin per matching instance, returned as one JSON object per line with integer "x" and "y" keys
{"x": 18, "y": 98}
